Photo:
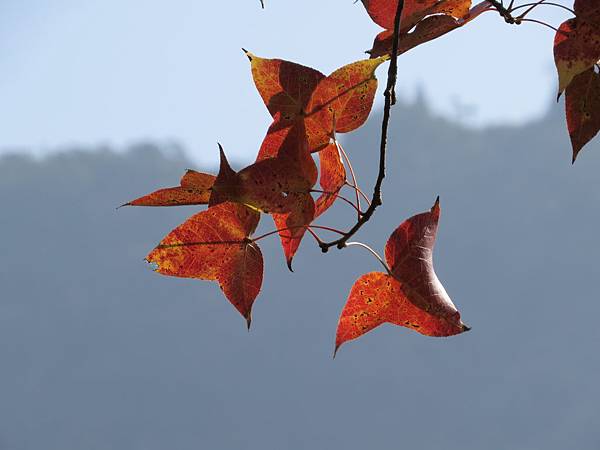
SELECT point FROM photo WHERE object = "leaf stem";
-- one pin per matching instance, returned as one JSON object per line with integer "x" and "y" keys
{"x": 373, "y": 252}
{"x": 341, "y": 197}
{"x": 525, "y": 5}
{"x": 390, "y": 99}
{"x": 352, "y": 174}
{"x": 362, "y": 194}
{"x": 317, "y": 227}
{"x": 540, "y": 23}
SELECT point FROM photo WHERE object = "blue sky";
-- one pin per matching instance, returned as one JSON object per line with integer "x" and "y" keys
{"x": 114, "y": 72}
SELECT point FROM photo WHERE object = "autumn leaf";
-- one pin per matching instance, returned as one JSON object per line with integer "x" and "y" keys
{"x": 576, "y": 49}
{"x": 341, "y": 102}
{"x": 291, "y": 91}
{"x": 215, "y": 245}
{"x": 410, "y": 295}
{"x": 427, "y": 29}
{"x": 194, "y": 189}
{"x": 266, "y": 184}
{"x": 293, "y": 225}
{"x": 583, "y": 109}
{"x": 587, "y": 10}
{"x": 383, "y": 12}
{"x": 332, "y": 179}
{"x": 280, "y": 185}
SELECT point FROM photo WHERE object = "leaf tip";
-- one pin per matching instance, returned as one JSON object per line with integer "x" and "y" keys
{"x": 435, "y": 209}
{"x": 248, "y": 54}
{"x": 289, "y": 264}
{"x": 249, "y": 321}
{"x": 337, "y": 347}
{"x": 465, "y": 327}
{"x": 225, "y": 167}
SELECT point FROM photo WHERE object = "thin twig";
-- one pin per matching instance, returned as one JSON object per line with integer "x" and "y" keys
{"x": 504, "y": 12}
{"x": 539, "y": 22}
{"x": 270, "y": 233}
{"x": 390, "y": 99}
{"x": 558, "y": 5}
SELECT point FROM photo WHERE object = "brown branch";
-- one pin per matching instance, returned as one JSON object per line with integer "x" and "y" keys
{"x": 504, "y": 12}
{"x": 390, "y": 99}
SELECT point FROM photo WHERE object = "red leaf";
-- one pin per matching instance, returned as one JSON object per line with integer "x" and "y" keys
{"x": 194, "y": 190}
{"x": 427, "y": 29}
{"x": 383, "y": 12}
{"x": 588, "y": 10}
{"x": 284, "y": 86}
{"x": 342, "y": 101}
{"x": 294, "y": 223}
{"x": 333, "y": 177}
{"x": 215, "y": 245}
{"x": 412, "y": 296}
{"x": 583, "y": 109}
{"x": 266, "y": 184}
{"x": 576, "y": 49}
{"x": 293, "y": 92}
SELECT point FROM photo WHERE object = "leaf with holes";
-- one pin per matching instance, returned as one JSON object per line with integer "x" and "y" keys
{"x": 215, "y": 245}
{"x": 340, "y": 102}
{"x": 410, "y": 295}
{"x": 266, "y": 184}
{"x": 576, "y": 49}
{"x": 583, "y": 109}
{"x": 194, "y": 189}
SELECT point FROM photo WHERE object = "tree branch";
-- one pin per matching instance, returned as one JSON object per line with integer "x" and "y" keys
{"x": 390, "y": 100}
{"x": 504, "y": 12}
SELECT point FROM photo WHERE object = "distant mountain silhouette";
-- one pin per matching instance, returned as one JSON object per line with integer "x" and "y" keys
{"x": 98, "y": 352}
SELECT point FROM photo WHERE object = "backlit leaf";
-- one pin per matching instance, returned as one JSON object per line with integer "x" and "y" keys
{"x": 266, "y": 184}
{"x": 576, "y": 49}
{"x": 427, "y": 29}
{"x": 412, "y": 296}
{"x": 293, "y": 225}
{"x": 583, "y": 109}
{"x": 342, "y": 101}
{"x": 215, "y": 245}
{"x": 292, "y": 92}
{"x": 333, "y": 177}
{"x": 194, "y": 189}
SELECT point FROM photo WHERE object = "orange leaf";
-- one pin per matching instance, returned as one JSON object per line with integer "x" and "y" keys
{"x": 576, "y": 49}
{"x": 293, "y": 225}
{"x": 194, "y": 189}
{"x": 284, "y": 86}
{"x": 412, "y": 296}
{"x": 333, "y": 177}
{"x": 583, "y": 109}
{"x": 215, "y": 245}
{"x": 293, "y": 92}
{"x": 342, "y": 101}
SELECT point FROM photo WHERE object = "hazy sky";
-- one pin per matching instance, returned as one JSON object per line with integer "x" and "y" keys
{"x": 114, "y": 72}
